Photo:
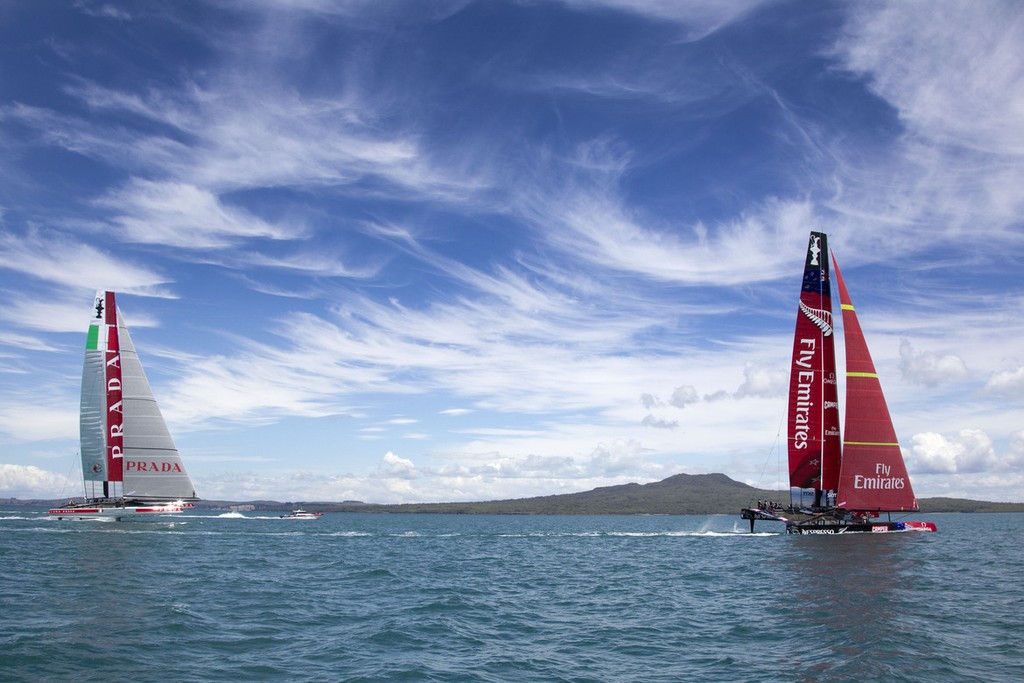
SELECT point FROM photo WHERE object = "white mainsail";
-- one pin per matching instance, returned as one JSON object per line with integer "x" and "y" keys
{"x": 92, "y": 418}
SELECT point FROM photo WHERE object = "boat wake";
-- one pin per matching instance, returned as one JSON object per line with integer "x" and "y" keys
{"x": 722, "y": 534}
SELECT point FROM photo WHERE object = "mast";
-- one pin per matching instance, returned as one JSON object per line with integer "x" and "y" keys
{"x": 873, "y": 477}
{"x": 813, "y": 425}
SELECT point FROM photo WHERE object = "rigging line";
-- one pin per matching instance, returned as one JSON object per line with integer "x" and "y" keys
{"x": 778, "y": 459}
{"x": 68, "y": 477}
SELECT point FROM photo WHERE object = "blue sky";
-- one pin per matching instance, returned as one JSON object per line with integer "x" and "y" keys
{"x": 460, "y": 250}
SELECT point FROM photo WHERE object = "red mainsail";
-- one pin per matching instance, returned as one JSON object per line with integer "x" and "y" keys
{"x": 874, "y": 476}
{"x": 813, "y": 426}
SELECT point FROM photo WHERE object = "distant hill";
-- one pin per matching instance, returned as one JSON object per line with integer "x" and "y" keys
{"x": 681, "y": 494}
{"x": 965, "y": 505}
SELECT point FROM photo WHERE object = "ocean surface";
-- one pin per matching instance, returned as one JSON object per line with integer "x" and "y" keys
{"x": 375, "y": 597}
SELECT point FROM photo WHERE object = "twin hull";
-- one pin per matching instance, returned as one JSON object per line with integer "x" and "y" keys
{"x": 118, "y": 512}
{"x": 878, "y": 528}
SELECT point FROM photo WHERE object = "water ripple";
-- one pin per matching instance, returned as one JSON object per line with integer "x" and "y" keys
{"x": 468, "y": 598}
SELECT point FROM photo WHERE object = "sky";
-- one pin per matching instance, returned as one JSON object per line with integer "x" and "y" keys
{"x": 472, "y": 250}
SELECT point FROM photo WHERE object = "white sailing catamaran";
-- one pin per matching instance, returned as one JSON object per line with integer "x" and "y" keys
{"x": 130, "y": 465}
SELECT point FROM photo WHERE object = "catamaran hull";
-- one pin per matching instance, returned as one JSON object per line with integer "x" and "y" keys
{"x": 114, "y": 512}
{"x": 807, "y": 523}
{"x": 869, "y": 528}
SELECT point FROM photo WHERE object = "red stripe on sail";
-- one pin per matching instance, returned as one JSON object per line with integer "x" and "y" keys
{"x": 873, "y": 476}
{"x": 115, "y": 395}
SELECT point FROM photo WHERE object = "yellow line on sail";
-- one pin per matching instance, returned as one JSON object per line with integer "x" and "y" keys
{"x": 862, "y": 374}
{"x": 868, "y": 443}
{"x": 846, "y": 307}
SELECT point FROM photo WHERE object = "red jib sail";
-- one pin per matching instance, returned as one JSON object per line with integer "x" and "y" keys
{"x": 813, "y": 427}
{"x": 873, "y": 476}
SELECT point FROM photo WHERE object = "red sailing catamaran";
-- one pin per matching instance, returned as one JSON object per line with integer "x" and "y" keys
{"x": 853, "y": 481}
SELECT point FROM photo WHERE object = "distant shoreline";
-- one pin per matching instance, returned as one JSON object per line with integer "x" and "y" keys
{"x": 680, "y": 494}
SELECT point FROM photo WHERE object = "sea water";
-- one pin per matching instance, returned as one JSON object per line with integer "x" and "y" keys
{"x": 376, "y": 597}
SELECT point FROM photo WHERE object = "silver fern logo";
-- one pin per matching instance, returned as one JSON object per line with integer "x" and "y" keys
{"x": 821, "y": 318}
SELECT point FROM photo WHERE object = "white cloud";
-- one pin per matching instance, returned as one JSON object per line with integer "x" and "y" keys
{"x": 311, "y": 262}
{"x": 928, "y": 368}
{"x": 63, "y": 260}
{"x": 607, "y": 296}
{"x": 969, "y": 451}
{"x": 394, "y": 466}
{"x": 28, "y": 481}
{"x": 617, "y": 458}
{"x": 584, "y": 214}
{"x": 27, "y": 343}
{"x": 1007, "y": 383}
{"x": 952, "y": 70}
{"x": 103, "y": 9}
{"x": 684, "y": 396}
{"x": 954, "y": 74}
{"x": 455, "y": 412}
{"x": 659, "y": 423}
{"x": 1017, "y": 443}
{"x": 30, "y": 419}
{"x": 716, "y": 396}
{"x": 762, "y": 382}
{"x": 185, "y": 216}
{"x": 649, "y": 401}
{"x": 700, "y": 17}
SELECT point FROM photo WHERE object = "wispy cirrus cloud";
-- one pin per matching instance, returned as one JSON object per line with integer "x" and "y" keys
{"x": 186, "y": 216}
{"x": 698, "y": 18}
{"x": 62, "y": 260}
{"x": 953, "y": 72}
{"x": 231, "y": 137}
{"x": 953, "y": 76}
{"x": 582, "y": 209}
{"x": 426, "y": 209}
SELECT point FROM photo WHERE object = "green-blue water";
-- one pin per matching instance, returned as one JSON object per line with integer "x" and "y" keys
{"x": 369, "y": 597}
